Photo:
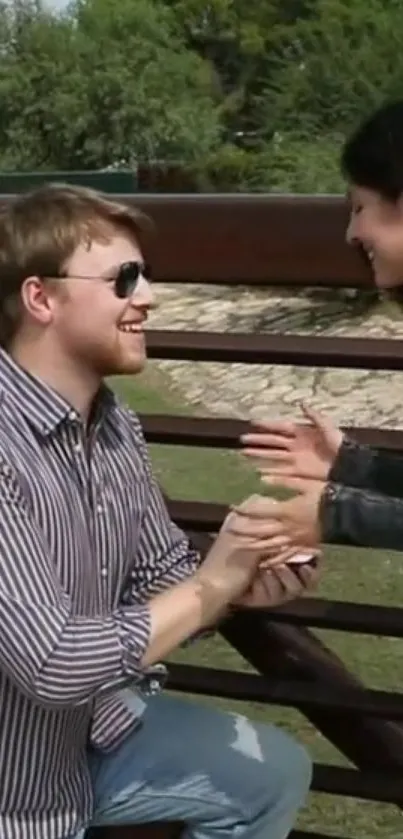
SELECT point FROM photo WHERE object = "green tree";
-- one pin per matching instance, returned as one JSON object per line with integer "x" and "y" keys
{"x": 335, "y": 67}
{"x": 148, "y": 97}
{"x": 37, "y": 57}
{"x": 240, "y": 39}
{"x": 107, "y": 82}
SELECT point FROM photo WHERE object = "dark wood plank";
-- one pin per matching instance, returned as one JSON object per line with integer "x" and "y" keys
{"x": 301, "y": 350}
{"x": 251, "y": 239}
{"x": 249, "y": 687}
{"x": 140, "y": 831}
{"x": 217, "y": 432}
{"x": 362, "y": 618}
{"x": 168, "y": 831}
{"x": 294, "y": 653}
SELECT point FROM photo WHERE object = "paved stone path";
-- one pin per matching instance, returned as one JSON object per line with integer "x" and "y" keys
{"x": 242, "y": 390}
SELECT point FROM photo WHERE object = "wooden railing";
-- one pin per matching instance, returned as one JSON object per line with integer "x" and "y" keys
{"x": 299, "y": 241}
{"x": 257, "y": 240}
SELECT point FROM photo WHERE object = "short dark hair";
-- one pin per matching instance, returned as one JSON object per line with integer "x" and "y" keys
{"x": 373, "y": 156}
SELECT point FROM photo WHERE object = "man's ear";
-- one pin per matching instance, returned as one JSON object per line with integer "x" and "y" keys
{"x": 37, "y": 300}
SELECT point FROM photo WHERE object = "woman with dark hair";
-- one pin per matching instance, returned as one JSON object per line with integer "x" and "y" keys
{"x": 346, "y": 493}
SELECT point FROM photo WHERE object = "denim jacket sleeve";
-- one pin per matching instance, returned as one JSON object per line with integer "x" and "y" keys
{"x": 363, "y": 467}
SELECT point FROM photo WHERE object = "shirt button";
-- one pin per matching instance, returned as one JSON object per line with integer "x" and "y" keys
{"x": 100, "y": 509}
{"x": 104, "y": 571}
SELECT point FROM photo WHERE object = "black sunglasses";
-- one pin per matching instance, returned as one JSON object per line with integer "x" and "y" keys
{"x": 127, "y": 277}
{"x": 124, "y": 281}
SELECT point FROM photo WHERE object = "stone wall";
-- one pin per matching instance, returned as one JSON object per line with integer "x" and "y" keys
{"x": 241, "y": 390}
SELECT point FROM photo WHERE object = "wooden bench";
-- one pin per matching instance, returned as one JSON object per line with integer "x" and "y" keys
{"x": 148, "y": 831}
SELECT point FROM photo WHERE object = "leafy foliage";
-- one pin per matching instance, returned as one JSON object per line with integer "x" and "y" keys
{"x": 245, "y": 94}
{"x": 107, "y": 82}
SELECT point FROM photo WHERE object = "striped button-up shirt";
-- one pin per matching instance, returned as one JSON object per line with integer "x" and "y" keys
{"x": 85, "y": 542}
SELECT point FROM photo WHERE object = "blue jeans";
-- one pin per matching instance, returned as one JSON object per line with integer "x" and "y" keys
{"x": 221, "y": 774}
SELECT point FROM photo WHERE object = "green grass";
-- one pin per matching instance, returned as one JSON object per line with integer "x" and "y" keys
{"x": 362, "y": 576}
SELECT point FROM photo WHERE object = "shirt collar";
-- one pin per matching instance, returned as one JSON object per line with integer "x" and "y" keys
{"x": 44, "y": 408}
